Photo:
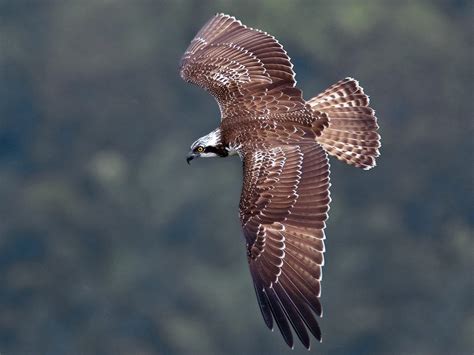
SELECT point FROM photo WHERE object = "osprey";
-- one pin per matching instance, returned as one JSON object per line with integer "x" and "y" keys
{"x": 284, "y": 142}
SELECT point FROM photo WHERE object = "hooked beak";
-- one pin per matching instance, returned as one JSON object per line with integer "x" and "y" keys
{"x": 191, "y": 156}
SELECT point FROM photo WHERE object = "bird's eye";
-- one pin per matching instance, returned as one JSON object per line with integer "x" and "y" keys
{"x": 200, "y": 149}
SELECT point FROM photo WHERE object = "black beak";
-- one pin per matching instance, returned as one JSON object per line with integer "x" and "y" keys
{"x": 191, "y": 156}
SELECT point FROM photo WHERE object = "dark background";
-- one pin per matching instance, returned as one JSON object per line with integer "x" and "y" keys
{"x": 111, "y": 244}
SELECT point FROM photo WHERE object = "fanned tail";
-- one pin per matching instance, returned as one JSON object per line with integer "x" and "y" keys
{"x": 352, "y": 132}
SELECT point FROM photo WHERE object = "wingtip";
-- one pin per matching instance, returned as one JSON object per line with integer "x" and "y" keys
{"x": 307, "y": 345}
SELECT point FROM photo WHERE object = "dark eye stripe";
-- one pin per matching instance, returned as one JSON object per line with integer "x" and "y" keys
{"x": 220, "y": 151}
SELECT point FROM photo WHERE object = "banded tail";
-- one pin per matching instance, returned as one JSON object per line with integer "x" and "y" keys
{"x": 352, "y": 132}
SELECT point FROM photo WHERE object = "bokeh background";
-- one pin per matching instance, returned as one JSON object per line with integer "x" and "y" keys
{"x": 111, "y": 244}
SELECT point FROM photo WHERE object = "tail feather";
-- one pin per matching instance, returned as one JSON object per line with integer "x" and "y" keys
{"x": 351, "y": 135}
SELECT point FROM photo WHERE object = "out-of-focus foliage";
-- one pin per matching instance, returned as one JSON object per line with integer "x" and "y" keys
{"x": 111, "y": 244}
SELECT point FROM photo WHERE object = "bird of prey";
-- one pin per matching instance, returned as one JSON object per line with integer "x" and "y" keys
{"x": 284, "y": 142}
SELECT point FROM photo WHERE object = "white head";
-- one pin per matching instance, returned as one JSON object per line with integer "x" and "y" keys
{"x": 208, "y": 146}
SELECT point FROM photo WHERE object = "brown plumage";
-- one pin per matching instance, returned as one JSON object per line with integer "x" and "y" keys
{"x": 283, "y": 142}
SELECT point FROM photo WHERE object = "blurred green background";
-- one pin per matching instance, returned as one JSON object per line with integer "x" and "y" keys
{"x": 111, "y": 244}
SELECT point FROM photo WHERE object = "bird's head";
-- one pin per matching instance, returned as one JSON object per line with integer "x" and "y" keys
{"x": 208, "y": 146}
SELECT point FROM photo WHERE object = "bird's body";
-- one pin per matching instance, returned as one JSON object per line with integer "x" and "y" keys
{"x": 283, "y": 142}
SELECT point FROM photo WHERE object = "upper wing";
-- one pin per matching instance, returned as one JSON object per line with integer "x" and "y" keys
{"x": 283, "y": 209}
{"x": 245, "y": 69}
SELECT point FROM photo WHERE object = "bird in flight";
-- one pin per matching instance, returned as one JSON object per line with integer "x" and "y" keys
{"x": 284, "y": 142}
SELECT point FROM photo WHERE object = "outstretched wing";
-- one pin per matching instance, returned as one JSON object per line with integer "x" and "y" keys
{"x": 283, "y": 209}
{"x": 246, "y": 70}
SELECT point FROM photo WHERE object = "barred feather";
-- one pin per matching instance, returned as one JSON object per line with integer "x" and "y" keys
{"x": 352, "y": 132}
